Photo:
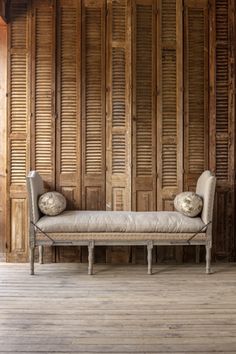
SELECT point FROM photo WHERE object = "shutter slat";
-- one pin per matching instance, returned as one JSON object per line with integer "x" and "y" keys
{"x": 68, "y": 141}
{"x": 196, "y": 95}
{"x": 118, "y": 19}
{"x": 18, "y": 162}
{"x": 93, "y": 141}
{"x": 144, "y": 90}
{"x": 144, "y": 106}
{"x": 118, "y": 108}
{"x": 18, "y": 108}
{"x": 44, "y": 110}
{"x": 93, "y": 105}
{"x": 222, "y": 93}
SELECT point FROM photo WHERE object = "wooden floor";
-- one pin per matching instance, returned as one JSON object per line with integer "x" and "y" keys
{"x": 120, "y": 309}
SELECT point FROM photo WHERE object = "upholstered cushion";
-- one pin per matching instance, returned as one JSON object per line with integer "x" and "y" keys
{"x": 52, "y": 203}
{"x": 35, "y": 189}
{"x": 206, "y": 189}
{"x": 188, "y": 203}
{"x": 115, "y": 221}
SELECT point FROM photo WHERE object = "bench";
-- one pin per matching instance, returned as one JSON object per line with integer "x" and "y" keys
{"x": 121, "y": 228}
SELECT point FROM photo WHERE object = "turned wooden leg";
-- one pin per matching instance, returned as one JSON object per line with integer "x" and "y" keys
{"x": 31, "y": 255}
{"x": 90, "y": 258}
{"x": 40, "y": 254}
{"x": 208, "y": 260}
{"x": 149, "y": 257}
{"x": 198, "y": 254}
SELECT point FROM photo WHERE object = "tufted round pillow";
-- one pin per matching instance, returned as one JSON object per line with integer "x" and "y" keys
{"x": 188, "y": 203}
{"x": 52, "y": 203}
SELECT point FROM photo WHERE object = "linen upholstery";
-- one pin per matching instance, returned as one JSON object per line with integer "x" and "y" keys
{"x": 124, "y": 221}
{"x": 35, "y": 189}
{"x": 206, "y": 189}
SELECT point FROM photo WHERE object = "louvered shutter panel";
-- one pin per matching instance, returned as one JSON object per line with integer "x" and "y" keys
{"x": 169, "y": 103}
{"x": 196, "y": 90}
{"x": 18, "y": 136}
{"x": 68, "y": 140}
{"x": 144, "y": 106}
{"x": 43, "y": 103}
{"x": 118, "y": 194}
{"x": 68, "y": 101}
{"x": 224, "y": 93}
{"x": 93, "y": 105}
{"x": 118, "y": 132}
{"x": 222, "y": 124}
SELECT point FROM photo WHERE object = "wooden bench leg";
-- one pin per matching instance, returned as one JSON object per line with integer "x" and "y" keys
{"x": 40, "y": 254}
{"x": 149, "y": 257}
{"x": 90, "y": 257}
{"x": 31, "y": 255}
{"x": 208, "y": 259}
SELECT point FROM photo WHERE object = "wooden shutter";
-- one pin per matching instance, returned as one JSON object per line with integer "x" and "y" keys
{"x": 93, "y": 104}
{"x": 118, "y": 182}
{"x": 3, "y": 141}
{"x": 68, "y": 101}
{"x": 18, "y": 137}
{"x": 118, "y": 127}
{"x": 222, "y": 125}
{"x": 144, "y": 105}
{"x": 43, "y": 94}
{"x": 68, "y": 152}
{"x": 169, "y": 103}
{"x": 195, "y": 90}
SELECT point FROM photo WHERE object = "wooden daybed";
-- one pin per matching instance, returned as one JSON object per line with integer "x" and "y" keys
{"x": 91, "y": 228}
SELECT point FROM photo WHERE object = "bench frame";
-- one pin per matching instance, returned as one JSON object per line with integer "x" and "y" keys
{"x": 39, "y": 239}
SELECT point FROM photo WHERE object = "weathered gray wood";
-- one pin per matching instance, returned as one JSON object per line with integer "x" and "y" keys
{"x": 149, "y": 257}
{"x": 121, "y": 310}
{"x": 31, "y": 256}
{"x": 90, "y": 257}
{"x": 208, "y": 259}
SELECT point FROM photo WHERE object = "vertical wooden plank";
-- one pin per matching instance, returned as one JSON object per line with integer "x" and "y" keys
{"x": 144, "y": 106}
{"x": 3, "y": 140}
{"x": 68, "y": 123}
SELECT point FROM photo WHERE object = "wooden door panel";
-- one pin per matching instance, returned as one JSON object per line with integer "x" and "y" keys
{"x": 18, "y": 131}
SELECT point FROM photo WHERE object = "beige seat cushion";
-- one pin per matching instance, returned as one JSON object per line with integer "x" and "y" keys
{"x": 124, "y": 221}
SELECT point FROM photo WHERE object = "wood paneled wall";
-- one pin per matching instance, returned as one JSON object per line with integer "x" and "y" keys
{"x": 121, "y": 104}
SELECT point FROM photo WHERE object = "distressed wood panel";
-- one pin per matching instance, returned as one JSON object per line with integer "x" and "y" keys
{"x": 222, "y": 124}
{"x": 18, "y": 133}
{"x": 102, "y": 85}
{"x": 118, "y": 120}
{"x": 196, "y": 90}
{"x": 93, "y": 105}
{"x": 144, "y": 105}
{"x": 43, "y": 103}
{"x": 169, "y": 101}
{"x": 3, "y": 141}
{"x": 68, "y": 176}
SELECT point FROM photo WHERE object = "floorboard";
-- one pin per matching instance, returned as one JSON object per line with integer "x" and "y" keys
{"x": 120, "y": 309}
